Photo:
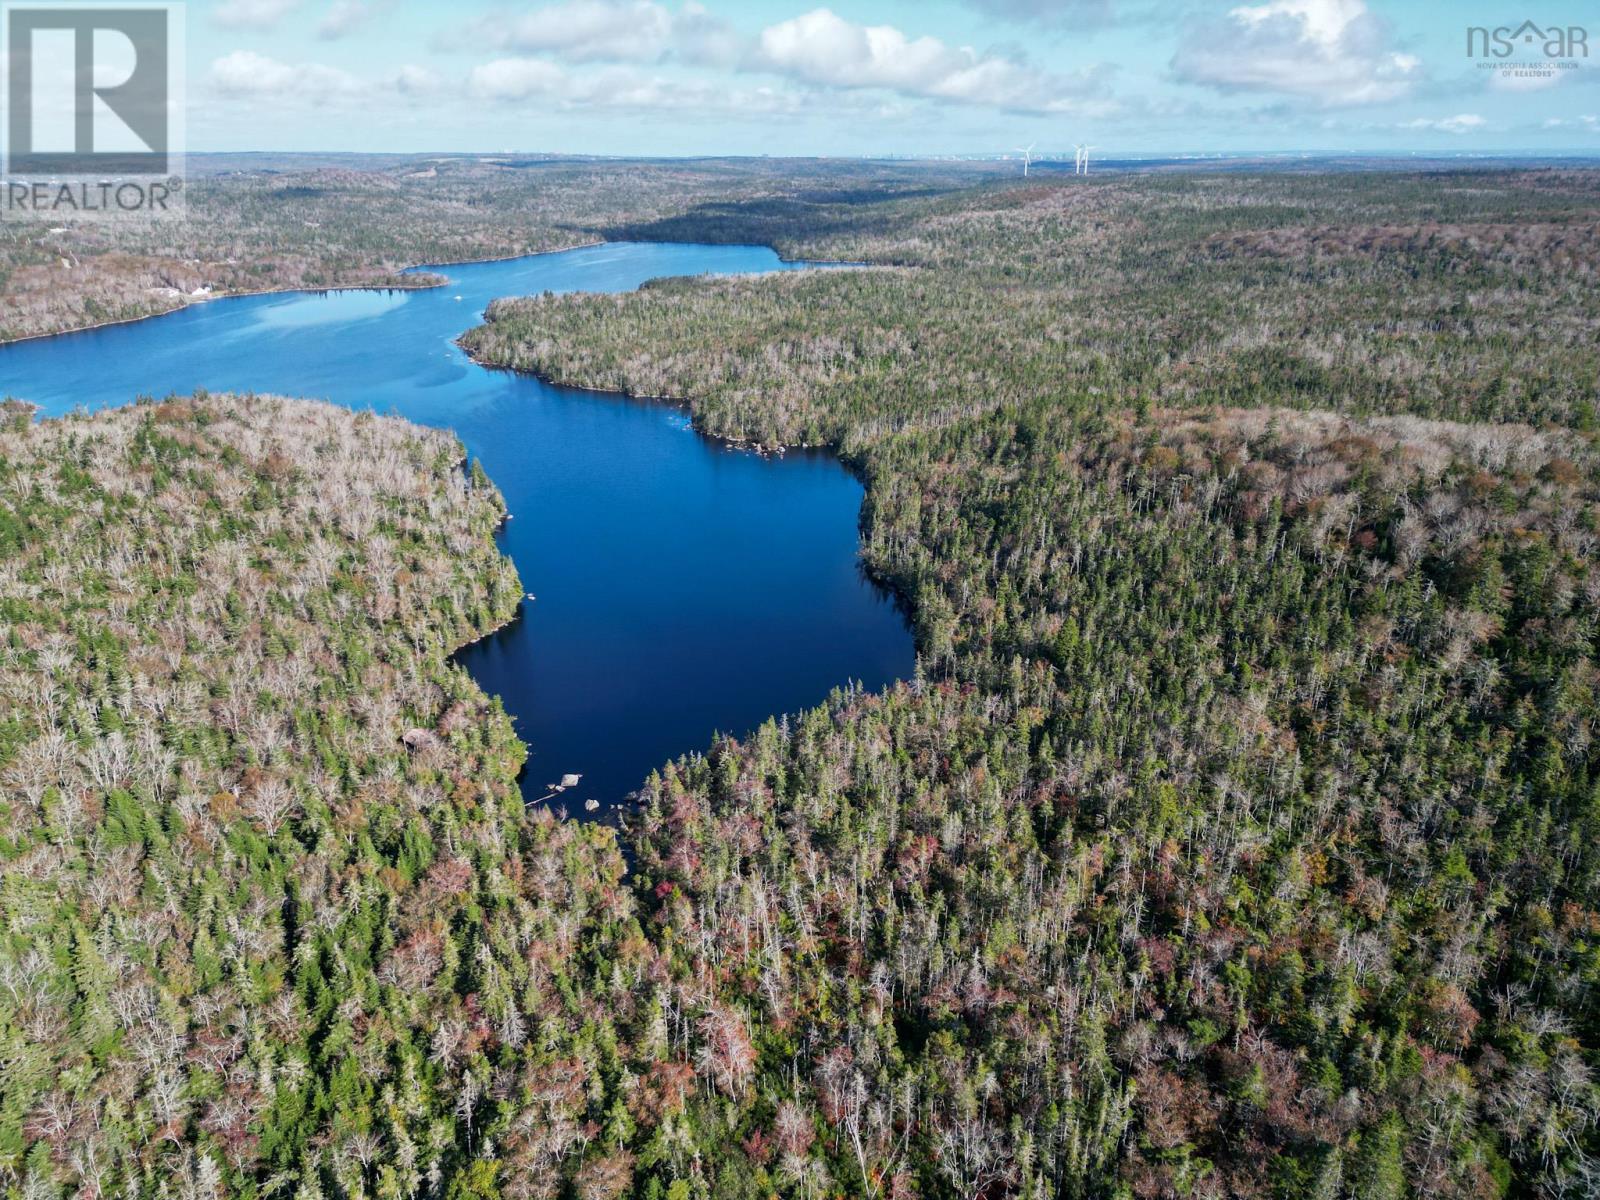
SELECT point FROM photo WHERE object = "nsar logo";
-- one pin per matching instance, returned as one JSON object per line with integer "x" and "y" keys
{"x": 1551, "y": 41}
{"x": 1528, "y": 54}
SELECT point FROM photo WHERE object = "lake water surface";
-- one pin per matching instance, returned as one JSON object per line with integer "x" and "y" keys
{"x": 683, "y": 587}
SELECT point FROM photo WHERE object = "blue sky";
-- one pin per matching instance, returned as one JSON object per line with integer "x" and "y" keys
{"x": 882, "y": 76}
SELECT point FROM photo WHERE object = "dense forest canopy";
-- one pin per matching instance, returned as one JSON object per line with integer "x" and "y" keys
{"x": 1237, "y": 835}
{"x": 266, "y": 223}
{"x": 275, "y": 920}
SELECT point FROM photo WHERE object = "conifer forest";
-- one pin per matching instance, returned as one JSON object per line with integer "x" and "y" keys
{"x": 1237, "y": 834}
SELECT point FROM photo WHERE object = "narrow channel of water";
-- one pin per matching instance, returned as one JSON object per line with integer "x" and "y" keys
{"x": 682, "y": 586}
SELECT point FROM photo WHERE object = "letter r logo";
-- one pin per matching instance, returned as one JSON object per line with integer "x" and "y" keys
{"x": 87, "y": 90}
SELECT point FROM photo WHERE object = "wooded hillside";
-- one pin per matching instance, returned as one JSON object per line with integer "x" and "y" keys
{"x": 1238, "y": 837}
{"x": 275, "y": 921}
{"x": 1239, "y": 834}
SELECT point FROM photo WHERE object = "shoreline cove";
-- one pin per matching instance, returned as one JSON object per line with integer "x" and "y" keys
{"x": 895, "y": 588}
{"x": 188, "y": 302}
{"x": 686, "y": 587}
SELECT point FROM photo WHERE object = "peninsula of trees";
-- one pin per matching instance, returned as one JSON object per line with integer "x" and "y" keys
{"x": 275, "y": 920}
{"x": 255, "y": 223}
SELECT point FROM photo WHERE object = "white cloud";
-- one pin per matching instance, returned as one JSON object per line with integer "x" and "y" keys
{"x": 1460, "y": 123}
{"x": 1075, "y": 14}
{"x": 344, "y": 17}
{"x": 253, "y": 14}
{"x": 622, "y": 89}
{"x": 587, "y": 30}
{"x": 516, "y": 80}
{"x": 706, "y": 40}
{"x": 818, "y": 49}
{"x": 1331, "y": 51}
{"x": 825, "y": 49}
{"x": 249, "y": 76}
{"x": 1588, "y": 123}
{"x": 412, "y": 80}
{"x": 636, "y": 31}
{"x": 244, "y": 73}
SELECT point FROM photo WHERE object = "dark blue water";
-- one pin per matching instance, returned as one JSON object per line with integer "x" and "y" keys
{"x": 683, "y": 587}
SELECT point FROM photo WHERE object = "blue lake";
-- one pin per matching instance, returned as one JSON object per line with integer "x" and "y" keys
{"x": 683, "y": 586}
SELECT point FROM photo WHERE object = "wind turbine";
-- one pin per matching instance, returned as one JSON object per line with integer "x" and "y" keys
{"x": 1083, "y": 159}
{"x": 1027, "y": 156}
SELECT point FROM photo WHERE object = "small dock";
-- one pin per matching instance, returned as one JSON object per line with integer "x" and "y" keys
{"x": 567, "y": 783}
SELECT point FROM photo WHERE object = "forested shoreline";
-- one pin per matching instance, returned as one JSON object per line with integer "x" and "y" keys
{"x": 270, "y": 893}
{"x": 267, "y": 227}
{"x": 1236, "y": 836}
